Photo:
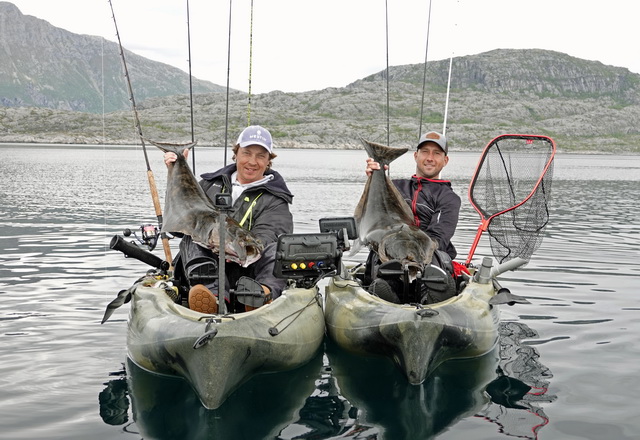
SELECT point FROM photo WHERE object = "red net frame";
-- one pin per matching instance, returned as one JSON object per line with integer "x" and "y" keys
{"x": 511, "y": 190}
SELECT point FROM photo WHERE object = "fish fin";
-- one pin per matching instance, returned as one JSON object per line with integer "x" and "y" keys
{"x": 362, "y": 203}
{"x": 355, "y": 247}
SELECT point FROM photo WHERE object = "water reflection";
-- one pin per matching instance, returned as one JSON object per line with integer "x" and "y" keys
{"x": 520, "y": 389}
{"x": 384, "y": 399}
{"x": 114, "y": 400}
{"x": 340, "y": 395}
{"x": 167, "y": 408}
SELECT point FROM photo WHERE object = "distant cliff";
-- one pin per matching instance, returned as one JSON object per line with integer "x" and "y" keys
{"x": 52, "y": 85}
{"x": 48, "y": 67}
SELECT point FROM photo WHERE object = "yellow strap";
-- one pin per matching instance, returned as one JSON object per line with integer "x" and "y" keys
{"x": 249, "y": 210}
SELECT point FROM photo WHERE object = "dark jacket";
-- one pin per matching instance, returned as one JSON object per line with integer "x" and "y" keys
{"x": 435, "y": 208}
{"x": 269, "y": 217}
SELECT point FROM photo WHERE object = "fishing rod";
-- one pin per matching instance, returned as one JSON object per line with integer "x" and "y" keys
{"x": 193, "y": 149}
{"x": 446, "y": 102}
{"x": 386, "y": 10}
{"x": 424, "y": 74}
{"x": 250, "y": 64}
{"x": 424, "y": 83}
{"x": 226, "y": 117}
{"x": 150, "y": 177}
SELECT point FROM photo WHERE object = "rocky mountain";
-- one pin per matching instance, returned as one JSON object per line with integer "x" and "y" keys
{"x": 584, "y": 105}
{"x": 47, "y": 67}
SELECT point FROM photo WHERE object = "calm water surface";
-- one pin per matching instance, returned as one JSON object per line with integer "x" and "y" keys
{"x": 565, "y": 368}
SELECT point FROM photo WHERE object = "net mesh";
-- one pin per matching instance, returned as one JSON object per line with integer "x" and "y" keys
{"x": 511, "y": 173}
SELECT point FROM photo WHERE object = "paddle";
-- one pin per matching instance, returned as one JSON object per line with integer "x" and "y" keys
{"x": 511, "y": 189}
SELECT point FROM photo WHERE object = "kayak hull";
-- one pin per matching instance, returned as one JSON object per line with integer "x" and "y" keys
{"x": 417, "y": 338}
{"x": 216, "y": 354}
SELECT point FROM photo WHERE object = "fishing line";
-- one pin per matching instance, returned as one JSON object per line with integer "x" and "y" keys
{"x": 424, "y": 82}
{"x": 424, "y": 75}
{"x": 130, "y": 90}
{"x": 150, "y": 177}
{"x": 226, "y": 118}
{"x": 104, "y": 154}
{"x": 250, "y": 64}
{"x": 446, "y": 102}
{"x": 104, "y": 136}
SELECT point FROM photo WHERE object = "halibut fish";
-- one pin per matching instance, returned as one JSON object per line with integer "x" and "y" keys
{"x": 189, "y": 211}
{"x": 384, "y": 219}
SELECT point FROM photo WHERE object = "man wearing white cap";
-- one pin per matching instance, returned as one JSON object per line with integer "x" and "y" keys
{"x": 260, "y": 203}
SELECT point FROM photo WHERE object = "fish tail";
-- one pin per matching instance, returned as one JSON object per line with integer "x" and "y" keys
{"x": 173, "y": 148}
{"x": 382, "y": 154}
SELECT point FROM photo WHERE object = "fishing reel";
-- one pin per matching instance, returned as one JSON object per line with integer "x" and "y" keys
{"x": 149, "y": 236}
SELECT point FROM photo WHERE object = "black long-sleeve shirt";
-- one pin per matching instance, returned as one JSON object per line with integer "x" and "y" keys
{"x": 435, "y": 207}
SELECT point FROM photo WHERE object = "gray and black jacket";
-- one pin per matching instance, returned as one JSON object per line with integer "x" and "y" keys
{"x": 264, "y": 209}
{"x": 435, "y": 207}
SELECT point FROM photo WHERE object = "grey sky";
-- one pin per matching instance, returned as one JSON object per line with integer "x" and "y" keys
{"x": 302, "y": 45}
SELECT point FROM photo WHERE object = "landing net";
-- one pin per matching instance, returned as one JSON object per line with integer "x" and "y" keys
{"x": 511, "y": 190}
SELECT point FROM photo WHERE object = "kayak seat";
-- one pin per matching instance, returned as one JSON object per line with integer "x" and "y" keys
{"x": 435, "y": 285}
{"x": 195, "y": 264}
{"x": 382, "y": 289}
{"x": 390, "y": 282}
{"x": 391, "y": 268}
{"x": 251, "y": 293}
{"x": 202, "y": 270}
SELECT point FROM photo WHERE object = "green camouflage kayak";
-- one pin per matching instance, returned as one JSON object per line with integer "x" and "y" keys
{"x": 417, "y": 338}
{"x": 215, "y": 353}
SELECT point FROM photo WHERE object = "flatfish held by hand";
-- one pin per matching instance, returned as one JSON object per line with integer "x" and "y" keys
{"x": 189, "y": 211}
{"x": 384, "y": 219}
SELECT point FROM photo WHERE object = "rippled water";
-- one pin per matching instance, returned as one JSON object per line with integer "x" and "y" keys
{"x": 566, "y": 363}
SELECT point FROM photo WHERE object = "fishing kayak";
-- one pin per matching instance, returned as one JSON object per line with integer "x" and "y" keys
{"x": 217, "y": 353}
{"x": 417, "y": 338}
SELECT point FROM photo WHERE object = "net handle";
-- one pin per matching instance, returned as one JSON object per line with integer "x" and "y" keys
{"x": 485, "y": 221}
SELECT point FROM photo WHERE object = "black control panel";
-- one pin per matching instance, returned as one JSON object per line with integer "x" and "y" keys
{"x": 307, "y": 256}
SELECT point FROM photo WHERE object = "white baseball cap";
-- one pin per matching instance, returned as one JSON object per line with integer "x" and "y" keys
{"x": 255, "y": 135}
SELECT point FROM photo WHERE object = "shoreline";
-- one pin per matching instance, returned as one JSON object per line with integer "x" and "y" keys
{"x": 280, "y": 147}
